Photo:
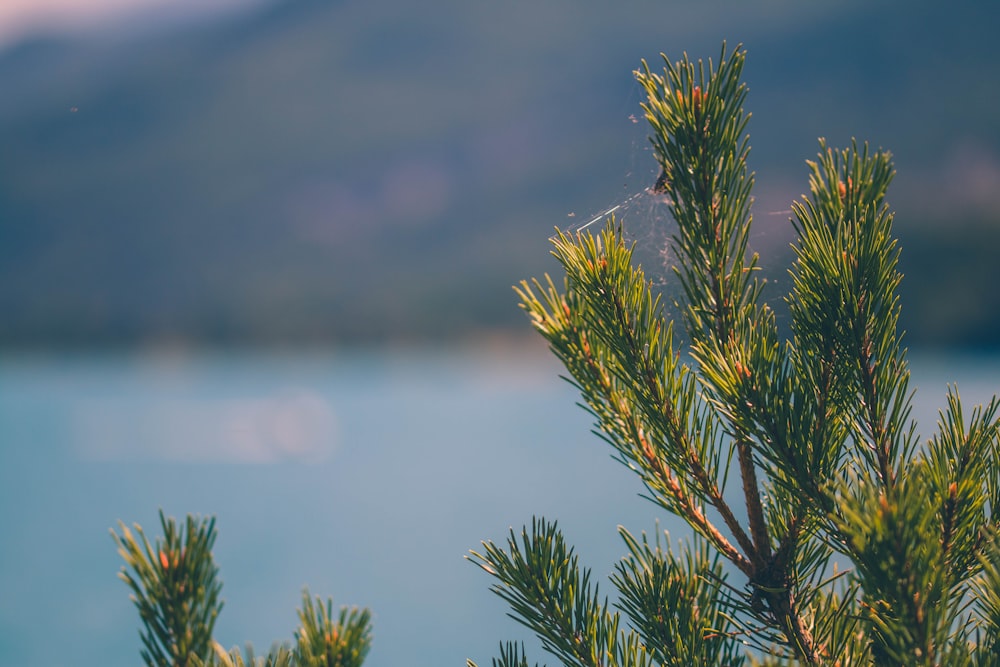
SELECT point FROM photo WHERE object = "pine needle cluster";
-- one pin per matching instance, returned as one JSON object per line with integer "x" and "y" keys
{"x": 825, "y": 530}
{"x": 175, "y": 587}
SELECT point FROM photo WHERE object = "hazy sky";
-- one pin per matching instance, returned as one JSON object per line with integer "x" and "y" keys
{"x": 23, "y": 17}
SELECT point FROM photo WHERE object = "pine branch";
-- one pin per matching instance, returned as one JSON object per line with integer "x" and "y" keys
{"x": 607, "y": 328}
{"x": 959, "y": 461}
{"x": 700, "y": 141}
{"x": 279, "y": 656}
{"x": 323, "y": 640}
{"x": 702, "y": 147}
{"x": 819, "y": 425}
{"x": 511, "y": 655}
{"x": 987, "y": 607}
{"x": 675, "y": 603}
{"x": 844, "y": 304}
{"x": 540, "y": 578}
{"x": 175, "y": 588}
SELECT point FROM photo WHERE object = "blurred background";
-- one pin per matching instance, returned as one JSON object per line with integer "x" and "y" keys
{"x": 256, "y": 258}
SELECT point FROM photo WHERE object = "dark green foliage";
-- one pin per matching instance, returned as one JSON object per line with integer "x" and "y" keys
{"x": 175, "y": 587}
{"x": 548, "y": 592}
{"x": 176, "y": 590}
{"x": 986, "y": 589}
{"x": 511, "y": 655}
{"x": 672, "y": 600}
{"x": 791, "y": 455}
{"x": 279, "y": 656}
{"x": 325, "y": 641}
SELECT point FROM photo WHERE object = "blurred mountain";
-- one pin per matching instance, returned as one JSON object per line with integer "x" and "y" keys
{"x": 319, "y": 171}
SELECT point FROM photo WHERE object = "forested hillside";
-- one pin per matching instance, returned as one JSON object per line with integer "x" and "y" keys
{"x": 324, "y": 172}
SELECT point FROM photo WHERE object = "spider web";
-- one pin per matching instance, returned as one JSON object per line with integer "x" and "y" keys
{"x": 643, "y": 214}
{"x": 646, "y": 221}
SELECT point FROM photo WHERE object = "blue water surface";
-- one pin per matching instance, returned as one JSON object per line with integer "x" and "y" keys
{"x": 364, "y": 475}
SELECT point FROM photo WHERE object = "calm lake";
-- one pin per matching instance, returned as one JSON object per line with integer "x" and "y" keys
{"x": 365, "y": 476}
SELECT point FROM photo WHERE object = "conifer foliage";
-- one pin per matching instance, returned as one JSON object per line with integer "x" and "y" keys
{"x": 825, "y": 530}
{"x": 176, "y": 589}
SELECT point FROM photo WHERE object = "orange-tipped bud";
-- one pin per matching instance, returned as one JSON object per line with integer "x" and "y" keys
{"x": 164, "y": 561}
{"x": 842, "y": 189}
{"x": 883, "y": 504}
{"x": 696, "y": 98}
{"x": 647, "y": 449}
